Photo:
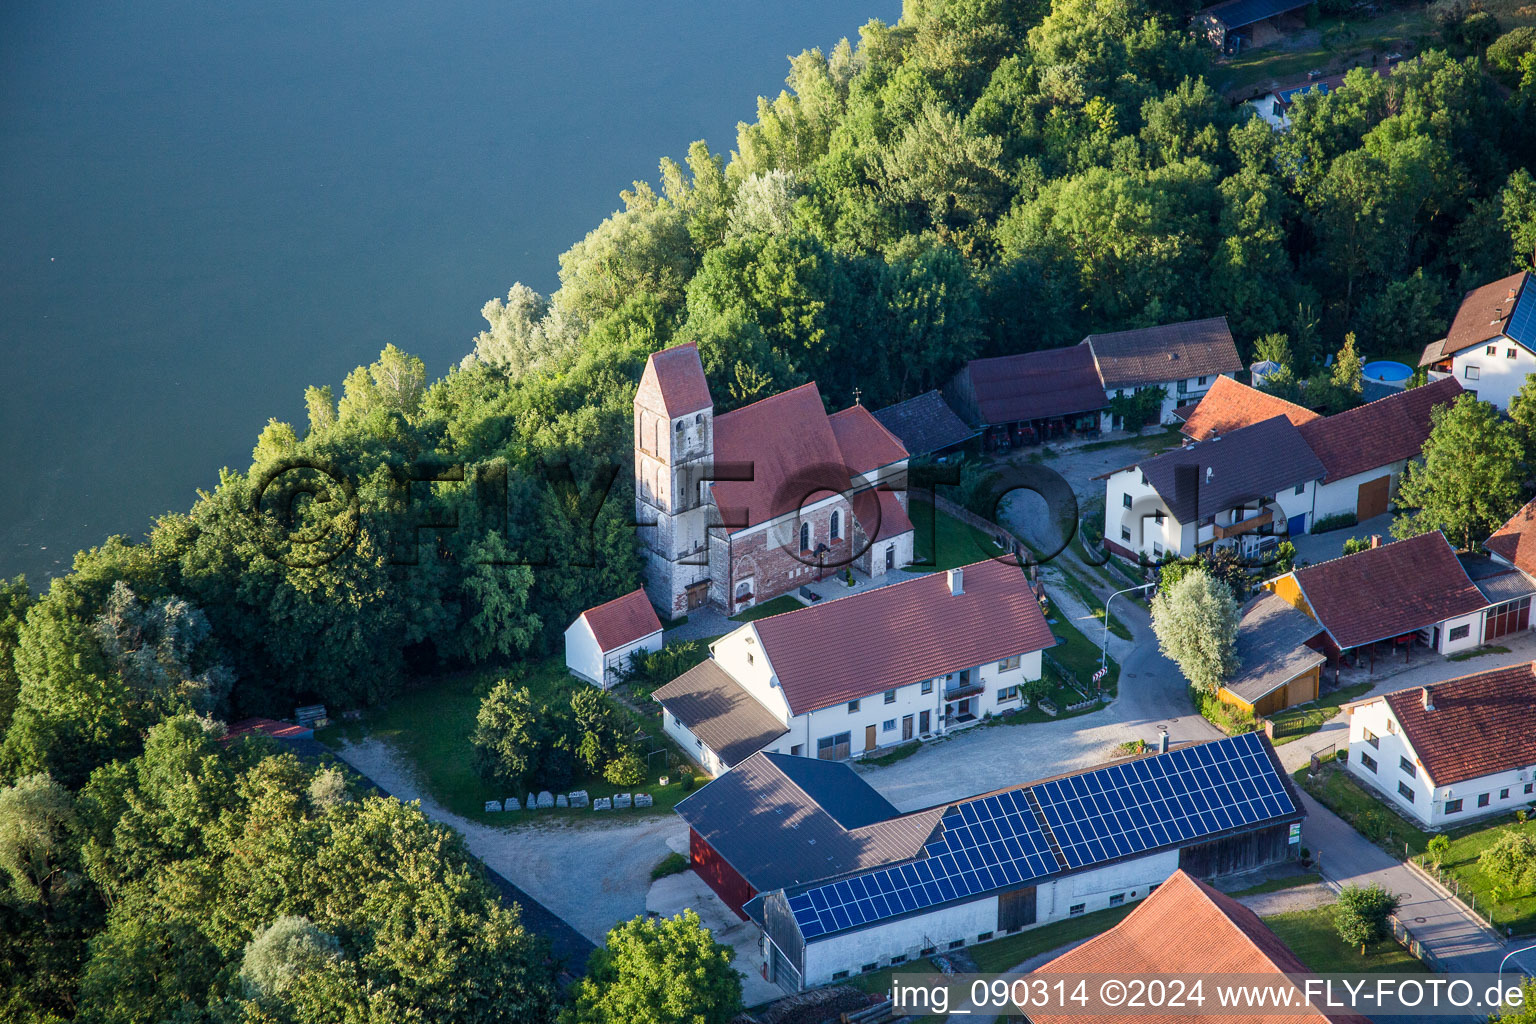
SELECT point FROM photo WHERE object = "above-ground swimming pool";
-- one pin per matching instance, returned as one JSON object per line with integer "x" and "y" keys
{"x": 1385, "y": 371}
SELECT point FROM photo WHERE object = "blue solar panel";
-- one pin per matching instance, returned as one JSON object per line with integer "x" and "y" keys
{"x": 1522, "y": 323}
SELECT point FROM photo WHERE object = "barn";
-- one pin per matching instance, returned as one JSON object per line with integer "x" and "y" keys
{"x": 842, "y": 884}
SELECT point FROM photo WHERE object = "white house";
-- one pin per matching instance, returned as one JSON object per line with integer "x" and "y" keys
{"x": 1491, "y": 346}
{"x": 1183, "y": 359}
{"x": 1450, "y": 752}
{"x": 913, "y": 660}
{"x": 599, "y": 643}
{"x": 1237, "y": 489}
{"x": 842, "y": 884}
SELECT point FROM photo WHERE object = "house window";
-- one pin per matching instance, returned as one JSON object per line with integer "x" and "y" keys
{"x": 1482, "y": 799}
{"x": 1404, "y": 791}
{"x": 984, "y": 936}
{"x": 1007, "y": 693}
{"x": 1203, "y": 380}
{"x": 889, "y": 725}
{"x": 1125, "y": 499}
{"x": 1076, "y": 909}
{"x": 1157, "y": 550}
{"x": 699, "y": 419}
{"x": 1408, "y": 766}
{"x": 1503, "y": 794}
{"x": 868, "y": 968}
{"x": 853, "y": 707}
{"x": 833, "y": 748}
{"x": 890, "y": 696}
{"x": 1469, "y": 372}
{"x": 899, "y": 958}
{"x": 698, "y": 743}
{"x": 839, "y": 975}
{"x": 1119, "y": 897}
{"x": 1158, "y": 517}
{"x": 796, "y": 750}
{"x": 1301, "y": 488}
{"x": 1125, "y": 533}
{"x": 1491, "y": 350}
{"x": 1143, "y": 479}
{"x": 805, "y": 536}
{"x": 1453, "y": 807}
{"x": 836, "y": 529}
{"x": 1183, "y": 387}
{"x": 1008, "y": 664}
{"x": 1530, "y": 787}
{"x": 928, "y": 951}
{"x": 1459, "y": 632}
{"x": 927, "y": 685}
{"x": 1371, "y": 738}
{"x": 1509, "y": 354}
{"x": 679, "y": 426}
{"x": 1367, "y": 761}
{"x": 957, "y": 944}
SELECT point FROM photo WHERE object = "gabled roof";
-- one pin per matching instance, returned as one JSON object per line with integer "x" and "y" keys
{"x": 865, "y": 443}
{"x": 622, "y": 621}
{"x": 1237, "y": 13}
{"x": 1271, "y": 647}
{"x": 1379, "y": 433}
{"x": 1389, "y": 591}
{"x": 1515, "y": 541}
{"x": 767, "y": 819}
{"x": 1036, "y": 385}
{"x": 1481, "y": 724}
{"x": 720, "y": 712}
{"x": 1496, "y": 581}
{"x": 1486, "y": 313}
{"x": 1230, "y": 406}
{"x": 925, "y": 424}
{"x": 1248, "y": 463}
{"x": 867, "y": 643}
{"x": 787, "y": 439}
{"x": 1185, "y": 927}
{"x": 678, "y": 375}
{"x": 1155, "y": 355}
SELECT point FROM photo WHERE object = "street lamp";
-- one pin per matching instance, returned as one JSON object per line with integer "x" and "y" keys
{"x": 1104, "y": 647}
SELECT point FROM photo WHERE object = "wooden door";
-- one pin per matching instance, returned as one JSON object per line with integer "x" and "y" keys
{"x": 869, "y": 737}
{"x": 923, "y": 721}
{"x": 697, "y": 592}
{"x": 1016, "y": 909}
{"x": 906, "y": 727}
{"x": 1372, "y": 498}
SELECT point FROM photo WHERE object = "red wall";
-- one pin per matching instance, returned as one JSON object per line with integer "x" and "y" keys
{"x": 722, "y": 878}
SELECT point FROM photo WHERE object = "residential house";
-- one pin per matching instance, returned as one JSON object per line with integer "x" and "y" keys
{"x": 842, "y": 884}
{"x": 1234, "y": 490}
{"x": 1449, "y": 752}
{"x": 912, "y": 660}
{"x": 1279, "y": 658}
{"x": 1184, "y": 928}
{"x": 739, "y": 508}
{"x": 1491, "y": 346}
{"x": 1183, "y": 359}
{"x": 598, "y": 645}
{"x": 1274, "y": 107}
{"x": 1230, "y": 405}
{"x": 1409, "y": 590}
{"x": 926, "y": 425}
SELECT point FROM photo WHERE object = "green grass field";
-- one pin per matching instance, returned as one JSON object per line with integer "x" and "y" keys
{"x": 957, "y": 543}
{"x": 1335, "y": 44}
{"x": 783, "y": 603}
{"x": 430, "y": 728}
{"x": 1312, "y": 937}
{"x": 1515, "y": 909}
{"x": 1303, "y": 720}
{"x": 1280, "y": 884}
{"x": 1367, "y": 815}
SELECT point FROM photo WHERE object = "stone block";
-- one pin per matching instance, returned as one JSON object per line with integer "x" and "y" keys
{"x": 602, "y": 803}
{"x": 621, "y": 801}
{"x": 492, "y": 805}
{"x": 578, "y": 798}
{"x": 562, "y": 800}
{"x": 546, "y": 800}
{"x": 642, "y": 799}
{"x": 512, "y": 804}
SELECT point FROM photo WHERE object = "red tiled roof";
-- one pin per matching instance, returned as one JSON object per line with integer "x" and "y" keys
{"x": 1515, "y": 541}
{"x": 1155, "y": 355}
{"x": 1379, "y": 433}
{"x": 882, "y": 510}
{"x": 1389, "y": 591}
{"x": 1483, "y": 314}
{"x": 266, "y": 727}
{"x": 1230, "y": 406}
{"x": 1185, "y": 927}
{"x": 679, "y": 376}
{"x": 864, "y": 441}
{"x": 622, "y": 621}
{"x": 1036, "y": 385}
{"x": 856, "y": 646}
{"x": 788, "y": 441}
{"x": 1481, "y": 724}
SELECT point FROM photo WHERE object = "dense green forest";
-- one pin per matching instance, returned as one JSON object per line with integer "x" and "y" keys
{"x": 986, "y": 176}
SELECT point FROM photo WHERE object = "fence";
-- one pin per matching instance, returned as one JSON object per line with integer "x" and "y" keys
{"x": 1404, "y": 935}
{"x": 1452, "y": 888}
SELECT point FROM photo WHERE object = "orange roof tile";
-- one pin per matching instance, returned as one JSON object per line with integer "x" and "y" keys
{"x": 787, "y": 439}
{"x": 1230, "y": 406}
{"x": 1185, "y": 927}
{"x": 1515, "y": 541}
{"x": 1481, "y": 723}
{"x": 880, "y": 514}
{"x": 622, "y": 621}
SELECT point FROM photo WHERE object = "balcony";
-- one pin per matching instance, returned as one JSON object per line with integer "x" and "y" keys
{"x": 960, "y": 691}
{"x": 1256, "y": 521}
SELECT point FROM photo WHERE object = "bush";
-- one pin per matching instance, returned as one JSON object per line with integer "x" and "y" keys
{"x": 650, "y": 669}
{"x": 1505, "y": 52}
{"x": 1511, "y": 859}
{"x": 1438, "y": 848}
{"x": 1361, "y": 914}
{"x": 625, "y": 770}
{"x": 671, "y": 864}
{"x": 1479, "y": 30}
{"x": 1139, "y": 408}
{"x": 687, "y": 781}
{"x": 1224, "y": 716}
{"x": 1337, "y": 521}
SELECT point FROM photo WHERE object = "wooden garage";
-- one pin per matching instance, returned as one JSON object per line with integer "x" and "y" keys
{"x": 1279, "y": 658}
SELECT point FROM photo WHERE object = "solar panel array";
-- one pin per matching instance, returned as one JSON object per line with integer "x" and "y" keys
{"x": 997, "y": 841}
{"x": 1522, "y": 322}
{"x": 1157, "y": 801}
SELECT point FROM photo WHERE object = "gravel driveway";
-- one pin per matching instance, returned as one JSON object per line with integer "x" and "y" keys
{"x": 593, "y": 876}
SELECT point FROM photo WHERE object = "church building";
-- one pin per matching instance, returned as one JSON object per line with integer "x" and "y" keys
{"x": 742, "y": 507}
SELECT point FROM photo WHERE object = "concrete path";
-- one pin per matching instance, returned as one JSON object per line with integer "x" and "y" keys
{"x": 1322, "y": 547}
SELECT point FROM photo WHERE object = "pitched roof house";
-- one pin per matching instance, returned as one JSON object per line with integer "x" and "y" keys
{"x": 912, "y": 660}
{"x": 1451, "y": 751}
{"x": 1231, "y": 405}
{"x": 599, "y": 644}
{"x": 1185, "y": 928}
{"x": 838, "y": 880}
{"x": 1514, "y": 543}
{"x": 1491, "y": 346}
{"x": 1057, "y": 383}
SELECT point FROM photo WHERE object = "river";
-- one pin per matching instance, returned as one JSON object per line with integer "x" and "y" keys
{"x": 205, "y": 207}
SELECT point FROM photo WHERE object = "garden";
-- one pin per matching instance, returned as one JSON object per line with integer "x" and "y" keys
{"x": 1492, "y": 867}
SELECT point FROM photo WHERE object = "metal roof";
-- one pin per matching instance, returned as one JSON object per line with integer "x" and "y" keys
{"x": 1237, "y": 13}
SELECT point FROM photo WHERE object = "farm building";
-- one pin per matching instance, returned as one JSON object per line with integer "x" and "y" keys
{"x": 841, "y": 884}
{"x": 598, "y": 645}
{"x": 925, "y": 425}
{"x": 1279, "y": 658}
{"x": 1235, "y": 23}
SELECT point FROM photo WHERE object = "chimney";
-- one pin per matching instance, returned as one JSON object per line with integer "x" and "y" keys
{"x": 1427, "y": 699}
{"x": 1162, "y": 741}
{"x": 1375, "y": 540}
{"x": 957, "y": 581}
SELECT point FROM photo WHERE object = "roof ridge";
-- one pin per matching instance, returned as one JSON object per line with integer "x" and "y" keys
{"x": 615, "y": 600}
{"x": 918, "y": 578}
{"x": 772, "y": 397}
{"x": 1156, "y": 327}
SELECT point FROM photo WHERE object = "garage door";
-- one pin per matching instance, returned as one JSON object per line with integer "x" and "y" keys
{"x": 1372, "y": 499}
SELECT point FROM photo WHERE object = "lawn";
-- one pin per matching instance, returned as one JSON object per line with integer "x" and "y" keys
{"x": 1080, "y": 655}
{"x": 1477, "y": 652}
{"x": 1336, "y": 44}
{"x": 1305, "y": 719}
{"x": 958, "y": 543}
{"x": 1012, "y": 950}
{"x": 1367, "y": 815}
{"x": 784, "y": 603}
{"x": 1312, "y": 937}
{"x": 430, "y": 727}
{"x": 1462, "y": 872}
{"x": 1280, "y": 884}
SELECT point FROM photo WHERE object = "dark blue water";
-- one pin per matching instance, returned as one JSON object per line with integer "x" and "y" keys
{"x": 205, "y": 207}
